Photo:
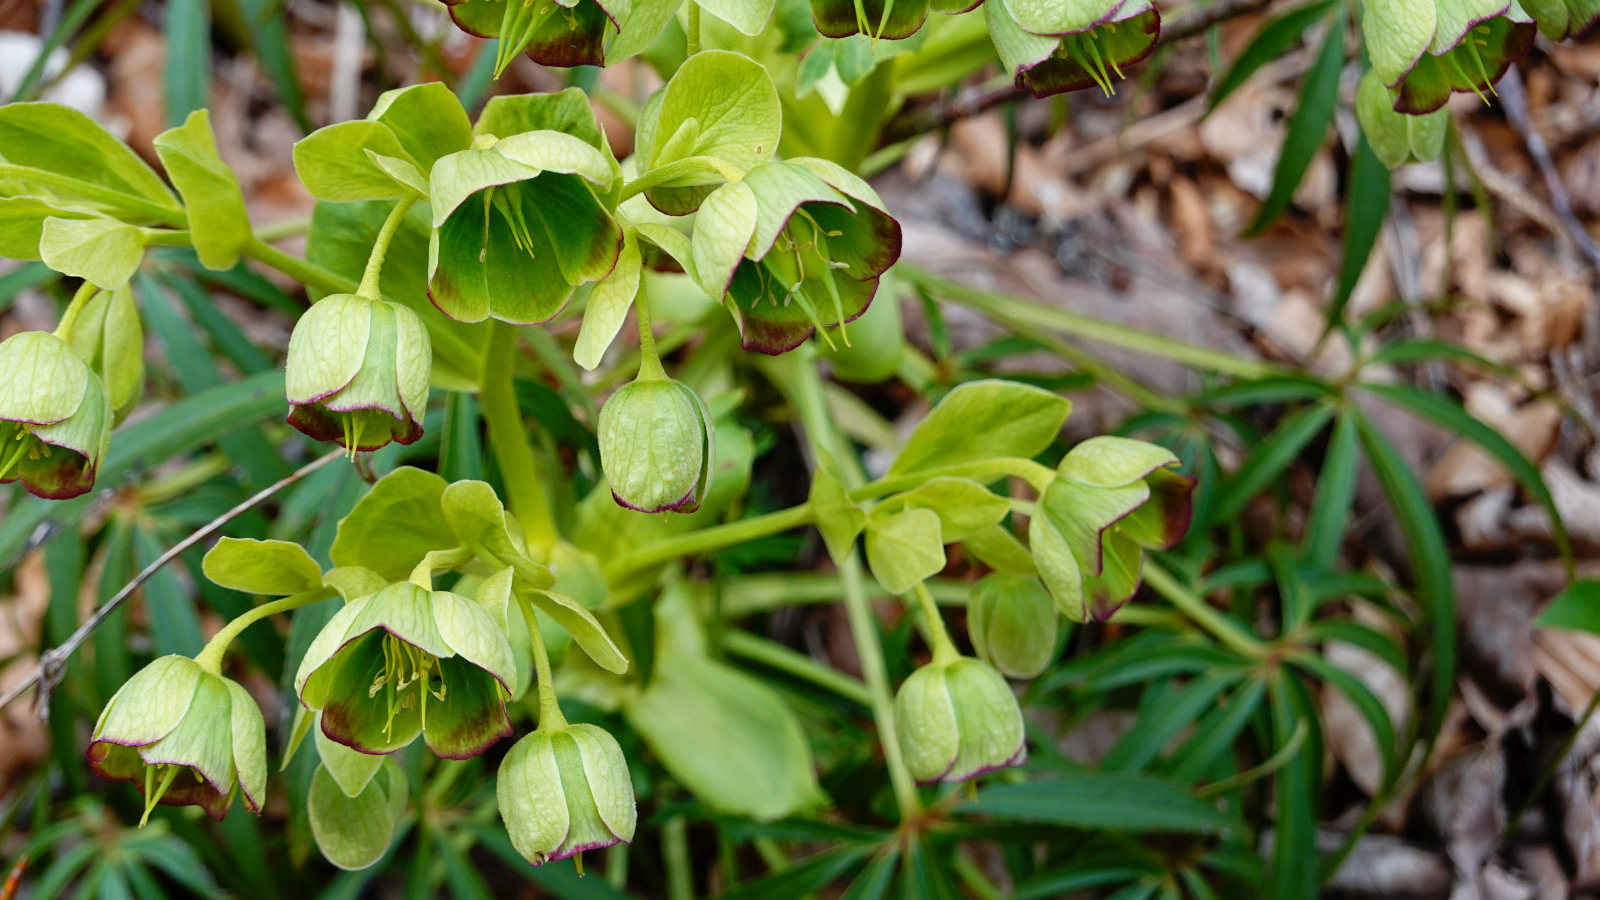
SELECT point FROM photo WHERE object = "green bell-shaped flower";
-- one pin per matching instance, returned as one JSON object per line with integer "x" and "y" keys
{"x": 551, "y": 32}
{"x": 1425, "y": 49}
{"x": 407, "y": 661}
{"x": 1112, "y": 498}
{"x": 564, "y": 790}
{"x": 518, "y": 225}
{"x": 185, "y": 736}
{"x": 358, "y": 372}
{"x": 1396, "y": 138}
{"x": 794, "y": 246}
{"x": 1055, "y": 47}
{"x": 657, "y": 446}
{"x": 55, "y": 417}
{"x": 957, "y": 718}
{"x": 1013, "y": 624}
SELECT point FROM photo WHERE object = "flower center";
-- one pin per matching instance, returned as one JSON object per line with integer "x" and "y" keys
{"x": 154, "y": 791}
{"x": 406, "y": 678}
{"x": 15, "y": 444}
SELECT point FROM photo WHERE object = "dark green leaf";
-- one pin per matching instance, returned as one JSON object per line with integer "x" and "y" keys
{"x": 1576, "y": 608}
{"x": 1100, "y": 800}
{"x": 188, "y": 63}
{"x": 1336, "y": 489}
{"x": 1160, "y": 723}
{"x": 1268, "y": 460}
{"x": 1319, "y": 94}
{"x": 1270, "y": 43}
{"x": 1366, "y": 206}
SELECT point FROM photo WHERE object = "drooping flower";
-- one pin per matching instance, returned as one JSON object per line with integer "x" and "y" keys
{"x": 563, "y": 790}
{"x": 1013, "y": 624}
{"x": 657, "y": 446}
{"x": 1112, "y": 498}
{"x": 1425, "y": 49}
{"x": 518, "y": 226}
{"x": 1396, "y": 138}
{"x": 1563, "y": 19}
{"x": 551, "y": 32}
{"x": 55, "y": 417}
{"x": 357, "y": 372}
{"x": 794, "y": 246}
{"x": 185, "y": 737}
{"x": 407, "y": 661}
{"x": 956, "y": 719}
{"x": 1055, "y": 47}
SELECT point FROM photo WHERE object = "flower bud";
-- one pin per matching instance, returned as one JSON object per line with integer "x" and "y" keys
{"x": 656, "y": 446}
{"x": 1013, "y": 624}
{"x": 566, "y": 790}
{"x": 1396, "y": 138}
{"x": 957, "y": 719}
{"x": 185, "y": 736}
{"x": 55, "y": 418}
{"x": 358, "y": 372}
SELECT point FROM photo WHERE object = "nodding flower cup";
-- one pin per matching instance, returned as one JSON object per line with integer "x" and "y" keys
{"x": 55, "y": 416}
{"x": 657, "y": 446}
{"x": 564, "y": 790}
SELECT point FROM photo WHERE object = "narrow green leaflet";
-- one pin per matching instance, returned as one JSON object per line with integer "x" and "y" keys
{"x": 1336, "y": 490}
{"x": 1319, "y": 94}
{"x": 1091, "y": 799}
{"x": 218, "y": 223}
{"x": 1366, "y": 206}
{"x": 981, "y": 420}
{"x": 608, "y": 305}
{"x": 1271, "y": 42}
{"x": 1268, "y": 460}
{"x": 1576, "y": 608}
{"x": 904, "y": 548}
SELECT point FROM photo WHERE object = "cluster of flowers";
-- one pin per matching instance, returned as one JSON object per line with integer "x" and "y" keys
{"x": 1109, "y": 500}
{"x": 400, "y": 660}
{"x": 1049, "y": 46}
{"x": 1421, "y": 51}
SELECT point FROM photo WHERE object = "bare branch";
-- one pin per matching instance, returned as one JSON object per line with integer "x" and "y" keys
{"x": 48, "y": 671}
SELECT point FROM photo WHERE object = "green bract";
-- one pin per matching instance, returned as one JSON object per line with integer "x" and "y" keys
{"x": 1013, "y": 624}
{"x": 1111, "y": 498}
{"x": 1397, "y": 138}
{"x": 1054, "y": 47}
{"x": 1424, "y": 49}
{"x": 518, "y": 226}
{"x": 564, "y": 790}
{"x": 552, "y": 33}
{"x": 794, "y": 246}
{"x": 55, "y": 417}
{"x": 185, "y": 736}
{"x": 956, "y": 719}
{"x": 108, "y": 334}
{"x": 656, "y": 446}
{"x": 357, "y": 372}
{"x": 407, "y": 661}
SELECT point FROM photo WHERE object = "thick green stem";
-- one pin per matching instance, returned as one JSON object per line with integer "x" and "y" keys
{"x": 210, "y": 657}
{"x": 693, "y": 43}
{"x": 703, "y": 541}
{"x": 549, "y": 709}
{"x": 1032, "y": 314}
{"x": 380, "y": 248}
{"x": 649, "y": 360}
{"x": 982, "y": 471}
{"x": 308, "y": 274}
{"x": 944, "y": 649}
{"x": 796, "y": 375}
{"x": 1201, "y": 613}
{"x": 508, "y": 437}
{"x": 80, "y": 299}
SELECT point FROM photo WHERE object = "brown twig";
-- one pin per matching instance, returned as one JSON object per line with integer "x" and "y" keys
{"x": 1195, "y": 19}
{"x": 1515, "y": 101}
{"x": 49, "y": 668}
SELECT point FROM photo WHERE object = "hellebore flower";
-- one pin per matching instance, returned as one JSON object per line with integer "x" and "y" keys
{"x": 956, "y": 719}
{"x": 551, "y": 32}
{"x": 185, "y": 736}
{"x": 1013, "y": 624}
{"x": 517, "y": 226}
{"x": 1052, "y": 47}
{"x": 55, "y": 417}
{"x": 357, "y": 372}
{"x": 657, "y": 446}
{"x": 1396, "y": 138}
{"x": 565, "y": 790}
{"x": 1424, "y": 49}
{"x": 795, "y": 245}
{"x": 407, "y": 661}
{"x": 1112, "y": 498}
